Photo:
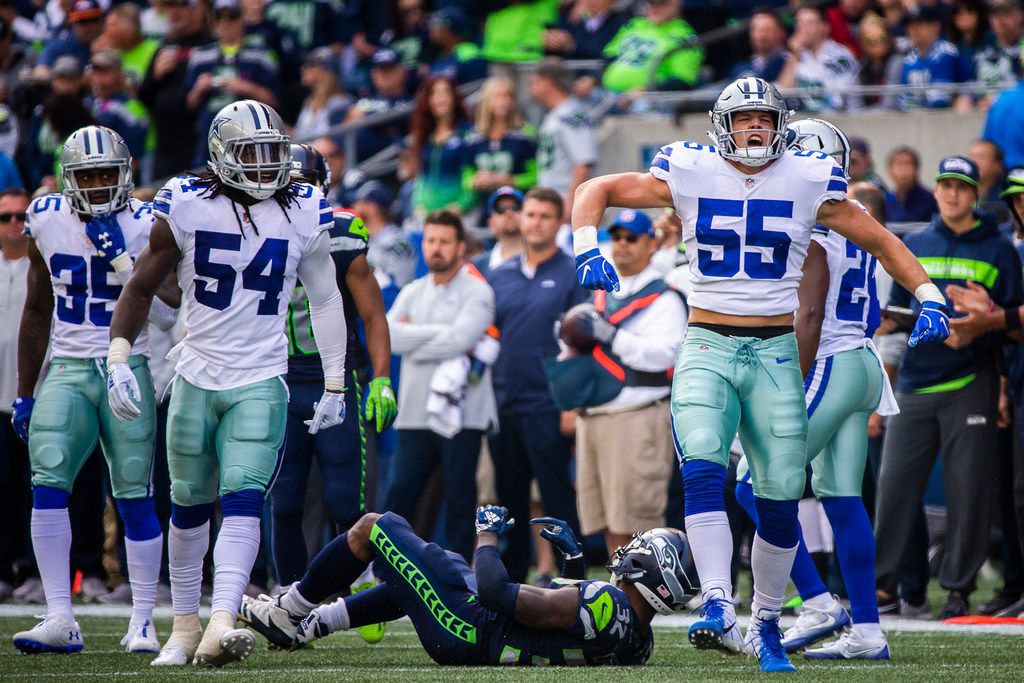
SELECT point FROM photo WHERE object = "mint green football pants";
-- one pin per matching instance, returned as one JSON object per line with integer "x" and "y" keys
{"x": 220, "y": 442}
{"x": 71, "y": 414}
{"x": 725, "y": 383}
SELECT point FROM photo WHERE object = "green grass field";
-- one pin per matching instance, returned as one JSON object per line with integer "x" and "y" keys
{"x": 399, "y": 657}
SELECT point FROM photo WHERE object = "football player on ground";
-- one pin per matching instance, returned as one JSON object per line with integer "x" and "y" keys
{"x": 845, "y": 383}
{"x": 340, "y": 453}
{"x": 239, "y": 235}
{"x": 748, "y": 207}
{"x": 83, "y": 244}
{"x": 467, "y": 617}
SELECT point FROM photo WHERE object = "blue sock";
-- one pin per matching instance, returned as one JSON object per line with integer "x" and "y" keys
{"x": 745, "y": 497}
{"x": 703, "y": 487}
{"x": 49, "y": 498}
{"x": 139, "y": 518}
{"x": 855, "y": 547}
{"x": 332, "y": 571}
{"x": 190, "y": 516}
{"x": 804, "y": 574}
{"x": 372, "y": 606}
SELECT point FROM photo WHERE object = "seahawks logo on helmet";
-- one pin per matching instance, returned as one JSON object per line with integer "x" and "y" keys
{"x": 659, "y": 563}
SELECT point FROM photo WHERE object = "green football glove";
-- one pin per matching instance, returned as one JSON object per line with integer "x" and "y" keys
{"x": 381, "y": 405}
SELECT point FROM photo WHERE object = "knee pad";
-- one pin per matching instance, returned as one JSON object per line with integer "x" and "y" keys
{"x": 701, "y": 442}
{"x": 49, "y": 498}
{"x": 139, "y": 517}
{"x": 703, "y": 487}
{"x": 190, "y": 516}
{"x": 777, "y": 521}
{"x": 244, "y": 503}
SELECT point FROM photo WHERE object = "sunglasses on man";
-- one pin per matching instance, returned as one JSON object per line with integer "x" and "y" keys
{"x": 6, "y": 217}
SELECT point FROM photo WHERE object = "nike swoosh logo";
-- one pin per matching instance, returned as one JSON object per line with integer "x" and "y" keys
{"x": 780, "y": 361}
{"x": 586, "y": 272}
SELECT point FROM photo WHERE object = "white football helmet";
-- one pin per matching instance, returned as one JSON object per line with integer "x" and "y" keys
{"x": 749, "y": 94}
{"x": 249, "y": 150}
{"x": 95, "y": 147}
{"x": 820, "y": 136}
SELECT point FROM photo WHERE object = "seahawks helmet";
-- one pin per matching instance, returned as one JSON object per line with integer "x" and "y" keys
{"x": 820, "y": 136}
{"x": 96, "y": 147}
{"x": 1013, "y": 185}
{"x": 659, "y": 563}
{"x": 249, "y": 150}
{"x": 308, "y": 166}
{"x": 749, "y": 94}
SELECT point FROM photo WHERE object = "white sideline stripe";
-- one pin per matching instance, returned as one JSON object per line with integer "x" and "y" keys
{"x": 674, "y": 621}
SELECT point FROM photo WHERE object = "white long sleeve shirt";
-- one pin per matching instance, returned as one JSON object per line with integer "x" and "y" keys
{"x": 13, "y": 290}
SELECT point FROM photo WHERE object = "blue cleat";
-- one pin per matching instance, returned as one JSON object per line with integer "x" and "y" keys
{"x": 851, "y": 646}
{"x": 51, "y": 635}
{"x": 716, "y": 630}
{"x": 764, "y": 641}
{"x": 814, "y": 624}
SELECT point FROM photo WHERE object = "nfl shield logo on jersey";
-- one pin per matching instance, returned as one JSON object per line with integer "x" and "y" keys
{"x": 748, "y": 183}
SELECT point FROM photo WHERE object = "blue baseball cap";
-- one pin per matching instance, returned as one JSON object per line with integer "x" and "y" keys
{"x": 506, "y": 191}
{"x": 960, "y": 168}
{"x": 637, "y": 222}
{"x": 385, "y": 57}
{"x": 452, "y": 19}
{"x": 376, "y": 192}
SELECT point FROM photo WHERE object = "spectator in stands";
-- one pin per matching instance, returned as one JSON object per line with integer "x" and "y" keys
{"x": 227, "y": 70}
{"x": 113, "y": 106}
{"x": 999, "y": 63}
{"x": 932, "y": 59}
{"x": 862, "y": 166}
{"x": 567, "y": 145}
{"x": 516, "y": 33}
{"x": 122, "y": 31}
{"x": 989, "y": 159}
{"x": 583, "y": 29}
{"x": 948, "y": 399}
{"x": 1002, "y": 125}
{"x": 624, "y": 450}
{"x": 817, "y": 61}
{"x": 531, "y": 292}
{"x": 390, "y": 253}
{"x": 340, "y": 190}
{"x": 458, "y": 58}
{"x": 407, "y": 32}
{"x": 504, "y": 216}
{"x": 15, "y": 59}
{"x": 969, "y": 32}
{"x": 435, "y": 323}
{"x": 282, "y": 42}
{"x": 85, "y": 20}
{"x": 162, "y": 88}
{"x": 61, "y": 113}
{"x": 844, "y": 22}
{"x": 881, "y": 64}
{"x": 907, "y": 201}
{"x": 502, "y": 149}
{"x": 327, "y": 104}
{"x": 315, "y": 23}
{"x": 438, "y": 149}
{"x": 894, "y": 13}
{"x": 389, "y": 81}
{"x": 655, "y": 42}
{"x": 768, "y": 46}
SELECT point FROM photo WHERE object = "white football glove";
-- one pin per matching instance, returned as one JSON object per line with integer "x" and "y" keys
{"x": 327, "y": 412}
{"x": 123, "y": 393}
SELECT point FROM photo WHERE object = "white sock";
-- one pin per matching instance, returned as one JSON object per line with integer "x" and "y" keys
{"x": 770, "y": 566}
{"x": 233, "y": 556}
{"x": 294, "y": 603}
{"x": 819, "y": 602}
{"x": 334, "y": 615}
{"x": 186, "y": 549}
{"x": 143, "y": 574}
{"x": 51, "y": 541}
{"x": 711, "y": 543}
{"x": 871, "y": 631}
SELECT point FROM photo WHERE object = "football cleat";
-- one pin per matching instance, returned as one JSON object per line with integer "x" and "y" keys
{"x": 851, "y": 646}
{"x": 180, "y": 648}
{"x": 371, "y": 633}
{"x": 51, "y": 635}
{"x": 813, "y": 625}
{"x": 764, "y": 641}
{"x": 141, "y": 637}
{"x": 269, "y": 619}
{"x": 222, "y": 643}
{"x": 311, "y": 628}
{"x": 715, "y": 630}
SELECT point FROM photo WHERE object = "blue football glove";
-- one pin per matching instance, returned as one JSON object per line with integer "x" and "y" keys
{"x": 558, "y": 534}
{"x": 105, "y": 234}
{"x": 22, "y": 414}
{"x": 494, "y": 519}
{"x": 932, "y": 324}
{"x": 594, "y": 271}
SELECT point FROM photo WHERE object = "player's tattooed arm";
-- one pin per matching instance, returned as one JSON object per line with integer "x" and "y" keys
{"x": 626, "y": 190}
{"x": 812, "y": 293}
{"x": 370, "y": 305}
{"x": 35, "y": 322}
{"x": 156, "y": 262}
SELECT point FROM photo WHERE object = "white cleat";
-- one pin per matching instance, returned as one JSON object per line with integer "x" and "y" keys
{"x": 222, "y": 643}
{"x": 51, "y": 635}
{"x": 813, "y": 625}
{"x": 267, "y": 617}
{"x": 141, "y": 637}
{"x": 851, "y": 646}
{"x": 181, "y": 647}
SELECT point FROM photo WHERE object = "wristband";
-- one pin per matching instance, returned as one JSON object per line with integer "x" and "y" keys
{"x": 929, "y": 292}
{"x": 334, "y": 386}
{"x": 118, "y": 351}
{"x": 584, "y": 239}
{"x": 1012, "y": 317}
{"x": 121, "y": 263}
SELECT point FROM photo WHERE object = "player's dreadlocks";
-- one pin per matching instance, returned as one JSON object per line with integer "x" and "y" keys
{"x": 284, "y": 197}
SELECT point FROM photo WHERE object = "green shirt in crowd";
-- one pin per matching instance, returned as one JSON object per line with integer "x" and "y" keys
{"x": 516, "y": 33}
{"x": 641, "y": 44}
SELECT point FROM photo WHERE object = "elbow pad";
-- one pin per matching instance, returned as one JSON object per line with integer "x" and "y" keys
{"x": 331, "y": 334}
{"x": 493, "y": 588}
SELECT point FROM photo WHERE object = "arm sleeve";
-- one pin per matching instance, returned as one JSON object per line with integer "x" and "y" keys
{"x": 494, "y": 589}
{"x": 654, "y": 346}
{"x": 326, "y": 310}
{"x": 459, "y": 338}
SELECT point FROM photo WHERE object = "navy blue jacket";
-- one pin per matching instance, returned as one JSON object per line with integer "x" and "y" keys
{"x": 918, "y": 206}
{"x": 526, "y": 310}
{"x": 983, "y": 255}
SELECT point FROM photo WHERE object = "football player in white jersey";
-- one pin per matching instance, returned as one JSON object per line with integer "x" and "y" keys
{"x": 239, "y": 235}
{"x": 748, "y": 207}
{"x": 83, "y": 243}
{"x": 839, "y": 312}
